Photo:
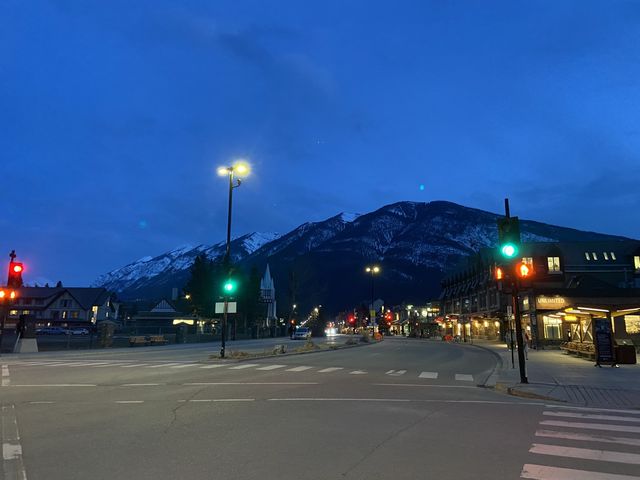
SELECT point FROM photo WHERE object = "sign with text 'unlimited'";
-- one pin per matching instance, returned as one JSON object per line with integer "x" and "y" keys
{"x": 544, "y": 302}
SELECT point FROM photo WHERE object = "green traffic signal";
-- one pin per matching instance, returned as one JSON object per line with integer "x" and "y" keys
{"x": 509, "y": 250}
{"x": 229, "y": 287}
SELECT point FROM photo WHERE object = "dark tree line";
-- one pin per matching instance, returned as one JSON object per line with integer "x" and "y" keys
{"x": 205, "y": 289}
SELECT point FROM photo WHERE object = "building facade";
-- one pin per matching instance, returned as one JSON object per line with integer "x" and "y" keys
{"x": 572, "y": 284}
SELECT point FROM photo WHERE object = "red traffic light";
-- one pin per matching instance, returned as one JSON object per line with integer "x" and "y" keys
{"x": 10, "y": 294}
{"x": 524, "y": 270}
{"x": 351, "y": 319}
{"x": 17, "y": 268}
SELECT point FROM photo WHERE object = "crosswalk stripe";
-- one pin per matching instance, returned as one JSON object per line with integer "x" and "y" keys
{"x": 463, "y": 377}
{"x": 588, "y": 438}
{"x": 591, "y": 409}
{"x": 185, "y": 365}
{"x": 592, "y": 426}
{"x": 163, "y": 365}
{"x": 330, "y": 369}
{"x": 542, "y": 472}
{"x": 396, "y": 373}
{"x": 212, "y": 366}
{"x": 271, "y": 367}
{"x": 587, "y": 416}
{"x": 428, "y": 375}
{"x": 358, "y": 372}
{"x": 585, "y": 453}
{"x": 298, "y": 369}
{"x": 105, "y": 365}
{"x": 242, "y": 367}
{"x": 135, "y": 365}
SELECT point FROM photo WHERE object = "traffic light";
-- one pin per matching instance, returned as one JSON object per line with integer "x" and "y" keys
{"x": 7, "y": 295}
{"x": 498, "y": 273}
{"x": 524, "y": 270}
{"x": 229, "y": 287}
{"x": 351, "y": 319}
{"x": 14, "y": 279}
{"x": 508, "y": 237}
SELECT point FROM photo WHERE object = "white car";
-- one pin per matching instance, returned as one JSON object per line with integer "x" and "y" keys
{"x": 302, "y": 333}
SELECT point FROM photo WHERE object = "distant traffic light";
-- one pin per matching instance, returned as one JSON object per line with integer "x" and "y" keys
{"x": 351, "y": 319}
{"x": 498, "y": 273}
{"x": 14, "y": 279}
{"x": 229, "y": 287}
{"x": 6, "y": 294}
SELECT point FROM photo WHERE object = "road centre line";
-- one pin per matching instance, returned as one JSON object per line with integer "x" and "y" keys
{"x": 585, "y": 453}
{"x": 592, "y": 426}
{"x": 422, "y": 385}
{"x": 542, "y": 472}
{"x": 57, "y": 385}
{"x": 401, "y": 400}
{"x": 214, "y": 400}
{"x": 142, "y": 384}
{"x": 197, "y": 384}
{"x": 587, "y": 416}
{"x": 588, "y": 438}
{"x": 129, "y": 401}
{"x": 41, "y": 402}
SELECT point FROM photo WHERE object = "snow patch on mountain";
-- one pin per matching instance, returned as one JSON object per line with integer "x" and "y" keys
{"x": 349, "y": 217}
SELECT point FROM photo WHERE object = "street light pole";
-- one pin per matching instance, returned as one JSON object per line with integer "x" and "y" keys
{"x": 242, "y": 169}
{"x": 372, "y": 270}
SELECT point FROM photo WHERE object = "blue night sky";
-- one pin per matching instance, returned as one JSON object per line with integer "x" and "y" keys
{"x": 115, "y": 114}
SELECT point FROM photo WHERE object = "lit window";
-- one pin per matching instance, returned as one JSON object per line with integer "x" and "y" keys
{"x": 636, "y": 262}
{"x": 587, "y": 256}
{"x": 613, "y": 256}
{"x": 593, "y": 254}
{"x": 553, "y": 264}
{"x": 527, "y": 260}
{"x": 606, "y": 257}
{"x": 632, "y": 323}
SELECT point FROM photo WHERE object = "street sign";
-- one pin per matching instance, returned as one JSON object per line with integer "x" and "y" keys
{"x": 231, "y": 307}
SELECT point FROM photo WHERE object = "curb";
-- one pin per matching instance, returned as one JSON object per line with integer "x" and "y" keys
{"x": 514, "y": 392}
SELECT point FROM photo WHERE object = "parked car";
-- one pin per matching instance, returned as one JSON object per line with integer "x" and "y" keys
{"x": 79, "y": 331}
{"x": 302, "y": 333}
{"x": 50, "y": 331}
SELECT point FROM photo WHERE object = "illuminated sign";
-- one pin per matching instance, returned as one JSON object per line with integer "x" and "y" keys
{"x": 550, "y": 303}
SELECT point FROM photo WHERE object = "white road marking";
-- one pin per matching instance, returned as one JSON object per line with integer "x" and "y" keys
{"x": 592, "y": 426}
{"x": 129, "y": 401}
{"x": 588, "y": 438}
{"x": 298, "y": 369}
{"x": 338, "y": 400}
{"x": 195, "y": 384}
{"x": 57, "y": 385}
{"x": 396, "y": 373}
{"x": 246, "y": 365}
{"x": 585, "y": 453}
{"x": 330, "y": 369}
{"x": 224, "y": 400}
{"x": 542, "y": 472}
{"x": 271, "y": 367}
{"x": 142, "y": 384}
{"x": 358, "y": 372}
{"x": 12, "y": 464}
{"x": 186, "y": 365}
{"x": 212, "y": 366}
{"x": 6, "y": 381}
{"x": 463, "y": 377}
{"x": 135, "y": 365}
{"x": 42, "y": 402}
{"x": 611, "y": 410}
{"x": 422, "y": 385}
{"x": 428, "y": 375}
{"x": 587, "y": 416}
{"x": 163, "y": 365}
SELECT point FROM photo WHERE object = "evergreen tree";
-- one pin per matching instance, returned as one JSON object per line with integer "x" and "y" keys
{"x": 205, "y": 285}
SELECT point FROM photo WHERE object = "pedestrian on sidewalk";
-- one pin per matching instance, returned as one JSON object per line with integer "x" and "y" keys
{"x": 525, "y": 344}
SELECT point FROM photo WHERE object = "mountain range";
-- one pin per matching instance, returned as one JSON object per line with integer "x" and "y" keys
{"x": 323, "y": 263}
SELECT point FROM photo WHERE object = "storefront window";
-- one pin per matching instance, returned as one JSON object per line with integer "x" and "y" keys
{"x": 553, "y": 264}
{"x": 632, "y": 323}
{"x": 552, "y": 328}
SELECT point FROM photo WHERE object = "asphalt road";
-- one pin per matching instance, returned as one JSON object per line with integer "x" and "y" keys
{"x": 400, "y": 409}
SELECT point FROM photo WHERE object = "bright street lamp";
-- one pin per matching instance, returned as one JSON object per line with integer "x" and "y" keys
{"x": 372, "y": 270}
{"x": 239, "y": 169}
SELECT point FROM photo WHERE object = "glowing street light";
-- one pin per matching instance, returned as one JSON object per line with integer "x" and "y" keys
{"x": 372, "y": 270}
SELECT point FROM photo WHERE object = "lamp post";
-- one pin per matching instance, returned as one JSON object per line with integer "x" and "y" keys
{"x": 240, "y": 169}
{"x": 372, "y": 270}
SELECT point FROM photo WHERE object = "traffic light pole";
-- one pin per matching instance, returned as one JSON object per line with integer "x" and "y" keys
{"x": 515, "y": 298}
{"x": 224, "y": 326}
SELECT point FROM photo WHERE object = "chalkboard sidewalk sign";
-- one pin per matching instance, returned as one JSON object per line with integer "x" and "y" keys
{"x": 603, "y": 340}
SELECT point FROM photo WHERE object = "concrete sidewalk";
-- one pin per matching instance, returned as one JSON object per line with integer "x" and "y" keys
{"x": 555, "y": 375}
